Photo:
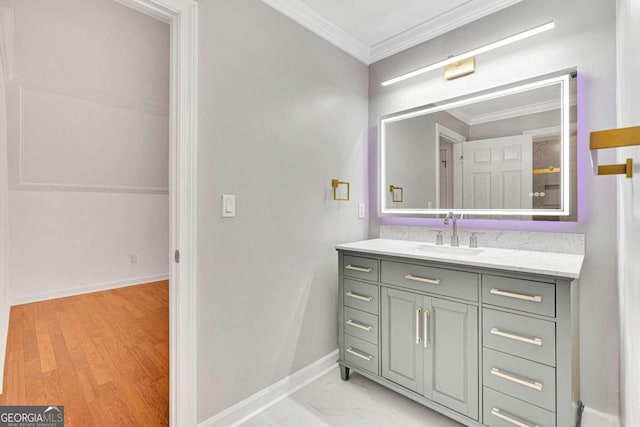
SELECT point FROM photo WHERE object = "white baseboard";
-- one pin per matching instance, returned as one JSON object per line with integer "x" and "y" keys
{"x": 253, "y": 405}
{"x": 593, "y": 418}
{"x": 95, "y": 287}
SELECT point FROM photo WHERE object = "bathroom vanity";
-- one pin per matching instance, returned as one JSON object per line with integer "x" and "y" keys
{"x": 487, "y": 337}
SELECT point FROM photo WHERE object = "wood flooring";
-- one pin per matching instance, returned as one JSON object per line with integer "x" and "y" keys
{"x": 103, "y": 355}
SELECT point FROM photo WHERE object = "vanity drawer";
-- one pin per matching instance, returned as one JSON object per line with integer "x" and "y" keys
{"x": 361, "y": 268}
{"x": 457, "y": 284}
{"x": 518, "y": 294}
{"x": 361, "y": 325}
{"x": 529, "y": 381}
{"x": 522, "y": 336}
{"x": 361, "y": 353}
{"x": 363, "y": 296}
{"x": 501, "y": 410}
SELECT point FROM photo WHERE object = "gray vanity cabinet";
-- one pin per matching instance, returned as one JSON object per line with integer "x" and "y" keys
{"x": 451, "y": 359}
{"x": 483, "y": 346}
{"x": 430, "y": 346}
{"x": 402, "y": 350}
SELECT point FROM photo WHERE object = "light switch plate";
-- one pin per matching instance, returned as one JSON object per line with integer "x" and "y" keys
{"x": 228, "y": 205}
{"x": 361, "y": 210}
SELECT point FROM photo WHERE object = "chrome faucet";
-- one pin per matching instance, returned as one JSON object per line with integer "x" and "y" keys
{"x": 454, "y": 236}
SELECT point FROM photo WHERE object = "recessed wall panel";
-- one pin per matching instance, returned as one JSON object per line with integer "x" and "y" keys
{"x": 68, "y": 141}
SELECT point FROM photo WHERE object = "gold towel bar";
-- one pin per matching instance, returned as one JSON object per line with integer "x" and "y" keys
{"x": 613, "y": 138}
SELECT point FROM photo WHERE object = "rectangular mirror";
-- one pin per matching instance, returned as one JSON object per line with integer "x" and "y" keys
{"x": 510, "y": 151}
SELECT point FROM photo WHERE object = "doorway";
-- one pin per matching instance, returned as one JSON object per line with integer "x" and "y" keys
{"x": 181, "y": 15}
{"x": 449, "y": 162}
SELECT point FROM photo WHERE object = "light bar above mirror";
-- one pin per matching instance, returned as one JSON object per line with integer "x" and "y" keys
{"x": 482, "y": 49}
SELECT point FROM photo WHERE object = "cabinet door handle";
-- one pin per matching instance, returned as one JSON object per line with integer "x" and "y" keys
{"x": 360, "y": 297}
{"x": 426, "y": 328}
{"x": 359, "y": 325}
{"x": 534, "y": 385}
{"x": 358, "y": 354}
{"x": 361, "y": 269}
{"x": 418, "y": 311}
{"x": 498, "y": 413}
{"x": 532, "y": 298}
{"x": 498, "y": 332}
{"x": 423, "y": 279}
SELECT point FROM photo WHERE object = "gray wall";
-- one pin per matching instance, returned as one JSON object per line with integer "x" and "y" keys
{"x": 584, "y": 37}
{"x": 282, "y": 112}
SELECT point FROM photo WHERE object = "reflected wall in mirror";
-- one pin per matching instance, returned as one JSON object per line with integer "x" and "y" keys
{"x": 509, "y": 151}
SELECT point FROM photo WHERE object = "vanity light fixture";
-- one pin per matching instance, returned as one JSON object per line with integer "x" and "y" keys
{"x": 463, "y": 58}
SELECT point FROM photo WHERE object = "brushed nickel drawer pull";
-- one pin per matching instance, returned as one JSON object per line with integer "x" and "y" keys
{"x": 358, "y": 354}
{"x": 418, "y": 311}
{"x": 426, "y": 329}
{"x": 497, "y": 413}
{"x": 361, "y": 269}
{"x": 359, "y": 325}
{"x": 536, "y": 298}
{"x": 423, "y": 279}
{"x": 498, "y": 332}
{"x": 534, "y": 385}
{"x": 360, "y": 297}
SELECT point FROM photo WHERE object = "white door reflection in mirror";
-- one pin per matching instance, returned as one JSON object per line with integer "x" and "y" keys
{"x": 498, "y": 173}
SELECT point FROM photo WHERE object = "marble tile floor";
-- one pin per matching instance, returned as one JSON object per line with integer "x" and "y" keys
{"x": 359, "y": 402}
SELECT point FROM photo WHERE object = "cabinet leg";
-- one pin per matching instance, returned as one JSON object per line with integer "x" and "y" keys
{"x": 344, "y": 373}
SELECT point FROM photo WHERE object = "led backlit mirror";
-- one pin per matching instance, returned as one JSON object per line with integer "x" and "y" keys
{"x": 510, "y": 151}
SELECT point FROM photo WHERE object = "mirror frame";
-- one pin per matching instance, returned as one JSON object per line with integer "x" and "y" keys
{"x": 562, "y": 77}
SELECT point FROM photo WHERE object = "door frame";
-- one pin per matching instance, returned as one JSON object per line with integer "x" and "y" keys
{"x": 455, "y": 138}
{"x": 182, "y": 17}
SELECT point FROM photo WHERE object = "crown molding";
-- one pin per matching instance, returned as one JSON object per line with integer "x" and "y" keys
{"x": 524, "y": 110}
{"x": 460, "y": 115}
{"x": 7, "y": 41}
{"x": 304, "y": 15}
{"x": 448, "y": 21}
{"x": 309, "y": 18}
{"x": 508, "y": 113}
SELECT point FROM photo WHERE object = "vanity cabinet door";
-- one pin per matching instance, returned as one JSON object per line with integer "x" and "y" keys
{"x": 451, "y": 356}
{"x": 402, "y": 347}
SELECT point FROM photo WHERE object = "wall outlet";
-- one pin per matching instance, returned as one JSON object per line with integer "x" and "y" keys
{"x": 361, "y": 210}
{"x": 134, "y": 259}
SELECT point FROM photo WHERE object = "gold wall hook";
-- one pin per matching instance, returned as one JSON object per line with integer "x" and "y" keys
{"x": 335, "y": 183}
{"x": 394, "y": 190}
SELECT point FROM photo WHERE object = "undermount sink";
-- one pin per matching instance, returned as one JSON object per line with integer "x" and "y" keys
{"x": 449, "y": 250}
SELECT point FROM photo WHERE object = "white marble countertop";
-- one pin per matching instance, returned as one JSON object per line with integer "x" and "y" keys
{"x": 547, "y": 263}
